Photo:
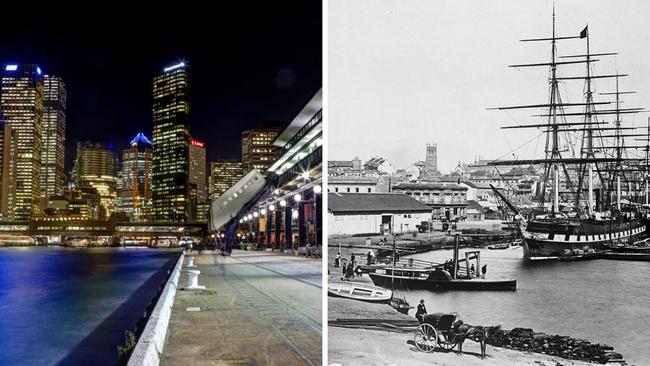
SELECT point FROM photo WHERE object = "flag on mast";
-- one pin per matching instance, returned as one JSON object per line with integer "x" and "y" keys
{"x": 584, "y": 33}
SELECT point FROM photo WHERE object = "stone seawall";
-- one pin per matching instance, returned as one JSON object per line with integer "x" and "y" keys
{"x": 152, "y": 340}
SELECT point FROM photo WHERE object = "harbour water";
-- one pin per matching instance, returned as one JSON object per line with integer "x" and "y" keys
{"x": 72, "y": 306}
{"x": 602, "y": 301}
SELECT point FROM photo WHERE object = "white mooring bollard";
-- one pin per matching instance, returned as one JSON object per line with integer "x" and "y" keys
{"x": 190, "y": 262}
{"x": 193, "y": 280}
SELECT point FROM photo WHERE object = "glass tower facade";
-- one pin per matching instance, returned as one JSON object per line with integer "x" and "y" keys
{"x": 53, "y": 155}
{"x": 171, "y": 139}
{"x": 223, "y": 175}
{"x": 134, "y": 194}
{"x": 21, "y": 109}
{"x": 258, "y": 151}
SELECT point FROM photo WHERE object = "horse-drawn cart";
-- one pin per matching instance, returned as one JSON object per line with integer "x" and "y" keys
{"x": 436, "y": 330}
{"x": 448, "y": 331}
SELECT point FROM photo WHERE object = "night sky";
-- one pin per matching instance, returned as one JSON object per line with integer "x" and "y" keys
{"x": 253, "y": 66}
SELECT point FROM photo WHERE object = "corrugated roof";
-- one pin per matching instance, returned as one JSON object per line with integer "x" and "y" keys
{"x": 374, "y": 202}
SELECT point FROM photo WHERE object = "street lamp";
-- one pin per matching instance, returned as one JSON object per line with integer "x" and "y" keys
{"x": 283, "y": 203}
{"x": 272, "y": 207}
{"x": 263, "y": 211}
{"x": 317, "y": 189}
{"x": 255, "y": 214}
{"x": 297, "y": 197}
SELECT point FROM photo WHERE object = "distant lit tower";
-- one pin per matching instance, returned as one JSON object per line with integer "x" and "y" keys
{"x": 8, "y": 155}
{"x": 171, "y": 139}
{"x": 223, "y": 175}
{"x": 258, "y": 151}
{"x": 53, "y": 155}
{"x": 21, "y": 109}
{"x": 134, "y": 194}
{"x": 96, "y": 167}
{"x": 198, "y": 181}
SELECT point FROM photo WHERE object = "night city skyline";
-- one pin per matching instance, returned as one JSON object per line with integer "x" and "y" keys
{"x": 271, "y": 68}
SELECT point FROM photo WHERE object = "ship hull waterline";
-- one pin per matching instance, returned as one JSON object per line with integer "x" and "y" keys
{"x": 550, "y": 242}
{"x": 409, "y": 283}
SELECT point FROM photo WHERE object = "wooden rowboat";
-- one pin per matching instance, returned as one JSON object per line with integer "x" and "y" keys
{"x": 359, "y": 291}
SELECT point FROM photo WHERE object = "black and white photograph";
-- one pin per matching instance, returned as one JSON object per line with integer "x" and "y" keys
{"x": 487, "y": 182}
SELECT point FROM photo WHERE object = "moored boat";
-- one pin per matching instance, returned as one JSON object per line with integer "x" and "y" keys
{"x": 359, "y": 291}
{"x": 437, "y": 281}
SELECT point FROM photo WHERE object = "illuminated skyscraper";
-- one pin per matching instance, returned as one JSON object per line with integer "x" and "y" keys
{"x": 198, "y": 182}
{"x": 198, "y": 166}
{"x": 53, "y": 155}
{"x": 8, "y": 155}
{"x": 257, "y": 149}
{"x": 223, "y": 175}
{"x": 21, "y": 107}
{"x": 95, "y": 166}
{"x": 134, "y": 194}
{"x": 171, "y": 139}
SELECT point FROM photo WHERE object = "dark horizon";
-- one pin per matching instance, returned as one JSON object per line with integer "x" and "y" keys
{"x": 247, "y": 70}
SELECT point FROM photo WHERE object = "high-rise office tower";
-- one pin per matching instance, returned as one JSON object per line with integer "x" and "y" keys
{"x": 223, "y": 175}
{"x": 198, "y": 182}
{"x": 171, "y": 138}
{"x": 134, "y": 194}
{"x": 21, "y": 107}
{"x": 53, "y": 154}
{"x": 95, "y": 166}
{"x": 198, "y": 166}
{"x": 8, "y": 155}
{"x": 258, "y": 151}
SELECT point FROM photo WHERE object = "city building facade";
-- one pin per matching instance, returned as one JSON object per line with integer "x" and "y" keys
{"x": 96, "y": 166}
{"x": 448, "y": 200}
{"x": 258, "y": 150}
{"x": 21, "y": 109}
{"x": 53, "y": 154}
{"x": 198, "y": 181}
{"x": 171, "y": 140}
{"x": 224, "y": 174}
{"x": 134, "y": 192}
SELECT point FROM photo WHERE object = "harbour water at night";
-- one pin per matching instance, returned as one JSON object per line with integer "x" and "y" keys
{"x": 603, "y": 301}
{"x": 72, "y": 306}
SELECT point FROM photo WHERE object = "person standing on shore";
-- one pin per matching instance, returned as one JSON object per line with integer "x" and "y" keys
{"x": 337, "y": 260}
{"x": 484, "y": 270}
{"x": 421, "y": 312}
{"x": 369, "y": 258}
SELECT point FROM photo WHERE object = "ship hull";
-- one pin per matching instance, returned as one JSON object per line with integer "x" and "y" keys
{"x": 552, "y": 240}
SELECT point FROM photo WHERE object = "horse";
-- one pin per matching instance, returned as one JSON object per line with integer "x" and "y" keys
{"x": 476, "y": 333}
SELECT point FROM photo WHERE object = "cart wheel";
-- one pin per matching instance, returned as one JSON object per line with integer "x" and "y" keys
{"x": 446, "y": 342}
{"x": 426, "y": 338}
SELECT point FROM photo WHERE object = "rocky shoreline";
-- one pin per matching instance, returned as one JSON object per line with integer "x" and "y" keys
{"x": 525, "y": 339}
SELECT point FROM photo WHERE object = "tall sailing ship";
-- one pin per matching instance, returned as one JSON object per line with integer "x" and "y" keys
{"x": 592, "y": 179}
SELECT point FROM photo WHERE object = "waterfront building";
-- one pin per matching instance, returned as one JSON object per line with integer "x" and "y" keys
{"x": 258, "y": 150}
{"x": 224, "y": 174}
{"x": 374, "y": 213}
{"x": 447, "y": 200}
{"x": 171, "y": 140}
{"x": 134, "y": 187}
{"x": 353, "y": 184}
{"x": 291, "y": 216}
{"x": 95, "y": 166}
{"x": 53, "y": 154}
{"x": 21, "y": 109}
{"x": 198, "y": 181}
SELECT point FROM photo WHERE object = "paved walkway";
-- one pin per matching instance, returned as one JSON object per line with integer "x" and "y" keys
{"x": 259, "y": 308}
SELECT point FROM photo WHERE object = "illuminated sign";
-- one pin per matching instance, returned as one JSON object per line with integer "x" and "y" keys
{"x": 38, "y": 70}
{"x": 11, "y": 67}
{"x": 198, "y": 143}
{"x": 174, "y": 67}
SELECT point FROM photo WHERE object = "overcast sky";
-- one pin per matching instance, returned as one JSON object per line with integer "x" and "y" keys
{"x": 404, "y": 73}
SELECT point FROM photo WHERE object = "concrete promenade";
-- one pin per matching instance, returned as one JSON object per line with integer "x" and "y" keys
{"x": 258, "y": 308}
